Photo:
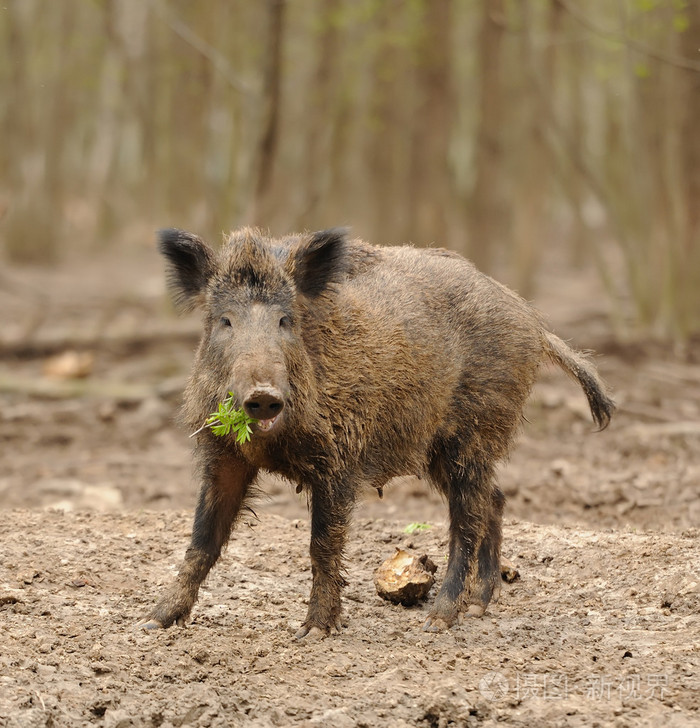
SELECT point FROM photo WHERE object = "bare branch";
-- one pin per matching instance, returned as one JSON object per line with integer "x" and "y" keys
{"x": 218, "y": 61}
{"x": 669, "y": 58}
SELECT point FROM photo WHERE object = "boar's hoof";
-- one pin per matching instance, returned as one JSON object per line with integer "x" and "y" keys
{"x": 440, "y": 623}
{"x": 312, "y": 632}
{"x": 443, "y": 615}
{"x": 149, "y": 624}
{"x": 153, "y": 623}
{"x": 473, "y": 610}
{"x": 436, "y": 624}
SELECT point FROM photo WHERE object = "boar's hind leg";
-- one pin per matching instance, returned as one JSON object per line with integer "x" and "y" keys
{"x": 487, "y": 583}
{"x": 330, "y": 512}
{"x": 224, "y": 488}
{"x": 473, "y": 537}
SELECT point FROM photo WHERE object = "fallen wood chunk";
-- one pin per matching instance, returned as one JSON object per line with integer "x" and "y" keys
{"x": 509, "y": 571}
{"x": 405, "y": 578}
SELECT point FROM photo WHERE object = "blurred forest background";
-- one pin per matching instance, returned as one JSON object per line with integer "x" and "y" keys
{"x": 510, "y": 130}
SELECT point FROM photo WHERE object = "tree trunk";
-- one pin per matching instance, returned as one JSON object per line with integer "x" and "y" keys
{"x": 322, "y": 120}
{"x": 267, "y": 145}
{"x": 429, "y": 190}
{"x": 529, "y": 203}
{"x": 687, "y": 268}
{"x": 486, "y": 208}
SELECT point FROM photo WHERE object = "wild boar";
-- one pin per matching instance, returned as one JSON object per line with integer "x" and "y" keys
{"x": 359, "y": 363}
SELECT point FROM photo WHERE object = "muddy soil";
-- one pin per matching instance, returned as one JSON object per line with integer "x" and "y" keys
{"x": 601, "y": 628}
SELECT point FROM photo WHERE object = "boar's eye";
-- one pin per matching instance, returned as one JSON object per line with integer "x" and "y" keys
{"x": 285, "y": 322}
{"x": 225, "y": 321}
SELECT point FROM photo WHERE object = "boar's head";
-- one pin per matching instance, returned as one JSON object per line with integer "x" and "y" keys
{"x": 255, "y": 294}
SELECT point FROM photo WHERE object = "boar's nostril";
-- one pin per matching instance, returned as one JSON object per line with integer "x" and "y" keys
{"x": 263, "y": 405}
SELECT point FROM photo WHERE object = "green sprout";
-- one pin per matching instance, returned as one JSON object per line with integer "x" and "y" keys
{"x": 415, "y": 527}
{"x": 226, "y": 419}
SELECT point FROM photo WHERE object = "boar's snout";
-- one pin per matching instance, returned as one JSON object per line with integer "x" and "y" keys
{"x": 264, "y": 404}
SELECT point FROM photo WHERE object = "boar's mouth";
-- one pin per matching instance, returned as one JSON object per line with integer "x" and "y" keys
{"x": 267, "y": 425}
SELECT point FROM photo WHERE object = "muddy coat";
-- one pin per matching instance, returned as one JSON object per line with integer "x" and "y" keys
{"x": 360, "y": 363}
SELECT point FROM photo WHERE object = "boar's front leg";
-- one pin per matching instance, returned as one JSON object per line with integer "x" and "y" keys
{"x": 225, "y": 483}
{"x": 330, "y": 512}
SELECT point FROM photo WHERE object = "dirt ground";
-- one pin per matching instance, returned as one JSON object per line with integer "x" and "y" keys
{"x": 96, "y": 497}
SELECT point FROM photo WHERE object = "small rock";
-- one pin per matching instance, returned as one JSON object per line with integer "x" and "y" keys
{"x": 107, "y": 411}
{"x": 336, "y": 717}
{"x": 45, "y": 671}
{"x": 560, "y": 467}
{"x": 9, "y": 595}
{"x": 28, "y": 577}
{"x": 338, "y": 667}
{"x": 69, "y": 365}
{"x": 117, "y": 718}
{"x": 405, "y": 578}
{"x": 45, "y": 646}
{"x": 509, "y": 571}
{"x": 200, "y": 655}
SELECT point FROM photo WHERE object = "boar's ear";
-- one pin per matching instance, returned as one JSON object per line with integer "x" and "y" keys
{"x": 319, "y": 260}
{"x": 190, "y": 264}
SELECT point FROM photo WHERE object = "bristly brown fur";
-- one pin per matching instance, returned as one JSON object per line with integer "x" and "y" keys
{"x": 386, "y": 361}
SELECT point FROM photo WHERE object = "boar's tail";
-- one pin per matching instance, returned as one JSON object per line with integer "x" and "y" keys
{"x": 579, "y": 367}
